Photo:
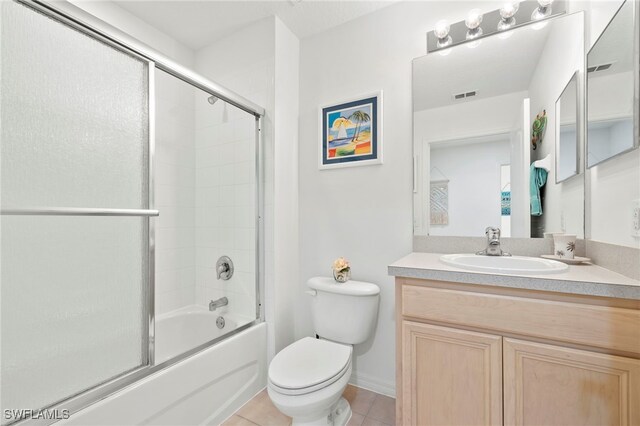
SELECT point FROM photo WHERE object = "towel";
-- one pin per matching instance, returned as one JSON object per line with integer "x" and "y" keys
{"x": 537, "y": 180}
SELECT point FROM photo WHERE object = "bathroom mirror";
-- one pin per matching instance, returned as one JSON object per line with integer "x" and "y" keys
{"x": 613, "y": 102}
{"x": 474, "y": 106}
{"x": 567, "y": 148}
{"x": 612, "y": 89}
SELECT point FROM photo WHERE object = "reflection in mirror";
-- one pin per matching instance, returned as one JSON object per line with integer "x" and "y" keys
{"x": 474, "y": 109}
{"x": 610, "y": 89}
{"x": 461, "y": 164}
{"x": 613, "y": 172}
{"x": 567, "y": 136}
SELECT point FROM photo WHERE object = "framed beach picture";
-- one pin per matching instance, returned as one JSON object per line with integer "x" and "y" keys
{"x": 351, "y": 132}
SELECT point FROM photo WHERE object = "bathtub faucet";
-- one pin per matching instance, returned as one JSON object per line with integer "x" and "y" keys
{"x": 215, "y": 304}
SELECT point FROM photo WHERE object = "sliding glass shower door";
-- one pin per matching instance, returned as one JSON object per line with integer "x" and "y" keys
{"x": 74, "y": 231}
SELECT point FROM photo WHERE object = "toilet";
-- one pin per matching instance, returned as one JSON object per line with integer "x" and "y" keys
{"x": 307, "y": 378}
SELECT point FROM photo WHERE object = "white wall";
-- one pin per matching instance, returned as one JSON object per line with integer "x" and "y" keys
{"x": 612, "y": 186}
{"x": 615, "y": 188}
{"x": 598, "y": 14}
{"x": 473, "y": 171}
{"x": 285, "y": 191}
{"x": 563, "y": 205}
{"x": 482, "y": 117}
{"x": 520, "y": 137}
{"x": 609, "y": 139}
{"x": 363, "y": 213}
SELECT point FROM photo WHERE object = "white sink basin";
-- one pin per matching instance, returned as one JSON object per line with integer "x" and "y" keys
{"x": 504, "y": 264}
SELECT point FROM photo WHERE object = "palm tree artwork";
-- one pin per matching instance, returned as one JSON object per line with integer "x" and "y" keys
{"x": 351, "y": 132}
{"x": 358, "y": 117}
{"x": 359, "y": 139}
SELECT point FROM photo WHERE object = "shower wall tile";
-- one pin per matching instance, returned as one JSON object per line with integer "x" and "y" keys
{"x": 225, "y": 204}
{"x": 243, "y": 63}
{"x": 175, "y": 194}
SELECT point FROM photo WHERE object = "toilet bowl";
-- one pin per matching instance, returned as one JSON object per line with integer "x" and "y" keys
{"x": 306, "y": 381}
{"x": 308, "y": 377}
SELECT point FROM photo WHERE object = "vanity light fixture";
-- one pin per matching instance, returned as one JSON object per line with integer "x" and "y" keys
{"x": 479, "y": 24}
{"x": 507, "y": 12}
{"x": 473, "y": 21}
{"x": 543, "y": 10}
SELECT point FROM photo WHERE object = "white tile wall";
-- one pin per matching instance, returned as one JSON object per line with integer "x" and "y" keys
{"x": 225, "y": 204}
{"x": 175, "y": 194}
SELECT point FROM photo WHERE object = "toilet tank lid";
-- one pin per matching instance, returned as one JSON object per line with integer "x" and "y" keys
{"x": 351, "y": 287}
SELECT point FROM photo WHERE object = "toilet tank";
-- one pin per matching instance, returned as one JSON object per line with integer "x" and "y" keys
{"x": 343, "y": 312}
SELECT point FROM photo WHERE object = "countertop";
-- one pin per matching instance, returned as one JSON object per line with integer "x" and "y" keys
{"x": 587, "y": 279}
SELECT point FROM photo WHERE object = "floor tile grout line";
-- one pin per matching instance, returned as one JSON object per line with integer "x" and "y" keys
{"x": 242, "y": 417}
{"x": 373, "y": 401}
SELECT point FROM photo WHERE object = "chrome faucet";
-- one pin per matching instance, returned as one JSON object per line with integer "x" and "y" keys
{"x": 224, "y": 268}
{"x": 215, "y": 304}
{"x": 493, "y": 243}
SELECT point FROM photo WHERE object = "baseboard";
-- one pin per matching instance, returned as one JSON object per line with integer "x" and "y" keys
{"x": 373, "y": 384}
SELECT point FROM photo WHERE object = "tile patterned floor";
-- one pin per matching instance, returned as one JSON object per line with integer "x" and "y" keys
{"x": 369, "y": 409}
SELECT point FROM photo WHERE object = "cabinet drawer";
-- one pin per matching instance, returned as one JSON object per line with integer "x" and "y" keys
{"x": 599, "y": 326}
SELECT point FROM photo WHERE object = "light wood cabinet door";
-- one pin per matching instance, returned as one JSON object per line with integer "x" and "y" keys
{"x": 551, "y": 385}
{"x": 450, "y": 376}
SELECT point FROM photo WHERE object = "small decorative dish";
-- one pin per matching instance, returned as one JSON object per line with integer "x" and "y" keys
{"x": 577, "y": 260}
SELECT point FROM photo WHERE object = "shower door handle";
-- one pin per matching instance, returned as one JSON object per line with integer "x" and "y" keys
{"x": 75, "y": 211}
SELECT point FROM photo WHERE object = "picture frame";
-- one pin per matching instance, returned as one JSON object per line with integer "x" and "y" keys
{"x": 351, "y": 132}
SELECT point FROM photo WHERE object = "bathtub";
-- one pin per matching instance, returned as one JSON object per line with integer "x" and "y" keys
{"x": 204, "y": 388}
{"x": 188, "y": 327}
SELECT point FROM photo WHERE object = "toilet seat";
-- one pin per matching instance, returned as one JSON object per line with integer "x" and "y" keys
{"x": 308, "y": 365}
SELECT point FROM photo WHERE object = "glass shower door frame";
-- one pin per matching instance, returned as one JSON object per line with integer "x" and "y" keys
{"x": 89, "y": 25}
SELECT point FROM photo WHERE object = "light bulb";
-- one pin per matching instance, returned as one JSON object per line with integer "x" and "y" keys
{"x": 509, "y": 9}
{"x": 474, "y": 19}
{"x": 442, "y": 29}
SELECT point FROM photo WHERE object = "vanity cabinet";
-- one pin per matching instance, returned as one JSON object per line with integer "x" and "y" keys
{"x": 450, "y": 376}
{"x": 547, "y": 385}
{"x": 483, "y": 355}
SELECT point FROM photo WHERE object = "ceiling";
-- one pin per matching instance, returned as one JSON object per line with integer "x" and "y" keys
{"x": 196, "y": 24}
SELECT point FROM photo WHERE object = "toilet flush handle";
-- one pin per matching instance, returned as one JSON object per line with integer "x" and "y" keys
{"x": 312, "y": 292}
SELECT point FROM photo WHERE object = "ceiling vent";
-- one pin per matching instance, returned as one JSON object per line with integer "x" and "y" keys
{"x": 599, "y": 67}
{"x": 465, "y": 95}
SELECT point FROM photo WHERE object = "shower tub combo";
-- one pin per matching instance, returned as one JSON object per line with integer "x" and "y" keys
{"x": 102, "y": 269}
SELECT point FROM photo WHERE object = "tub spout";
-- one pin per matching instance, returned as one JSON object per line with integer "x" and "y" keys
{"x": 215, "y": 304}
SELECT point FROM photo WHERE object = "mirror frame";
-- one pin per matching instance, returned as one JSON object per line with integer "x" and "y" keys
{"x": 636, "y": 83}
{"x": 575, "y": 77}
